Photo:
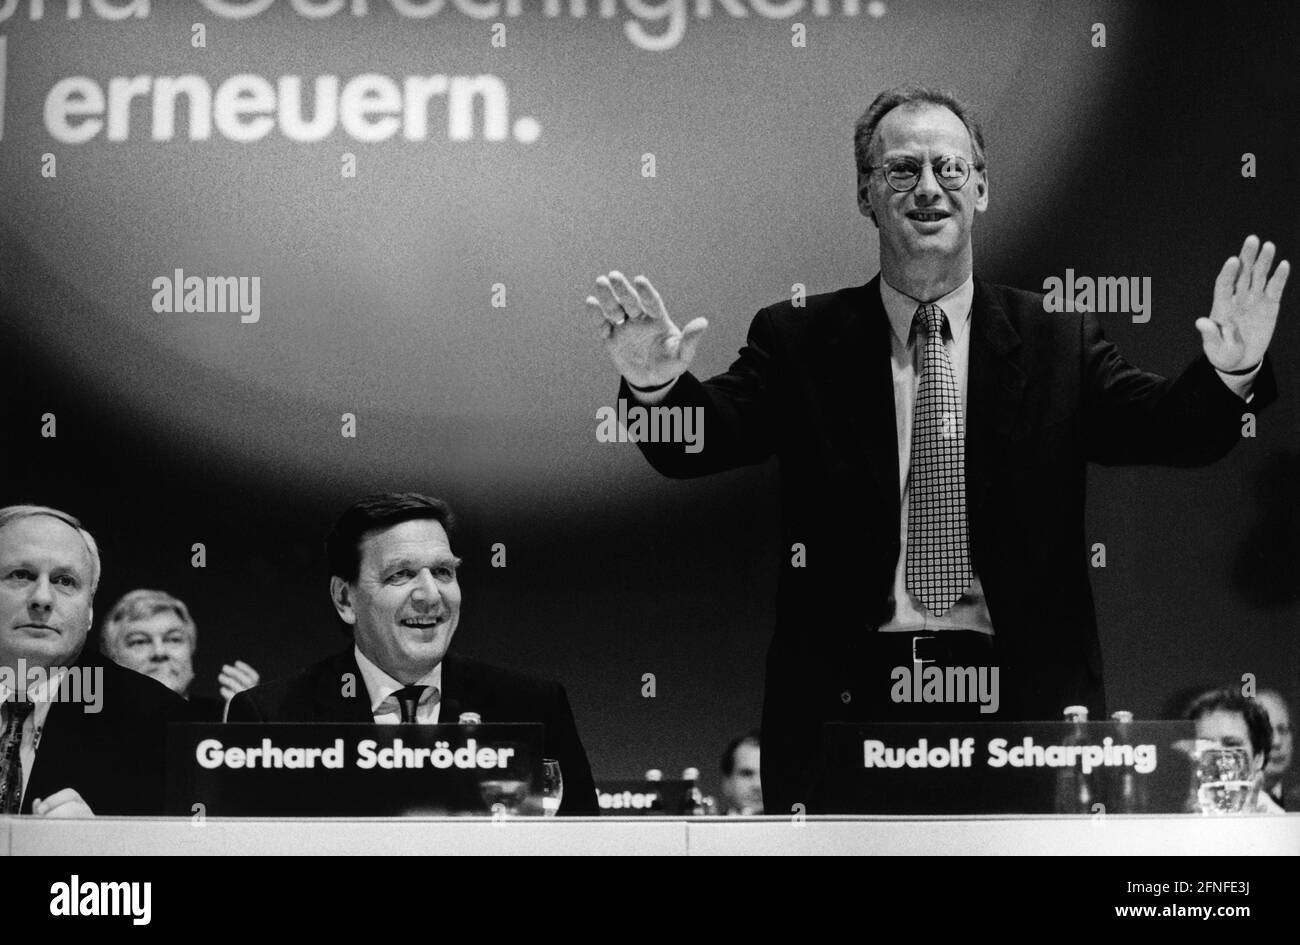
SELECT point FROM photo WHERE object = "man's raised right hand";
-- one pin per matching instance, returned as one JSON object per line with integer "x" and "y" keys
{"x": 647, "y": 348}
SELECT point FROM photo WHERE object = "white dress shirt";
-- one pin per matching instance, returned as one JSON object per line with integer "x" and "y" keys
{"x": 383, "y": 704}
{"x": 909, "y": 615}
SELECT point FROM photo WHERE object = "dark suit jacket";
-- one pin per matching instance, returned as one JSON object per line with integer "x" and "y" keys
{"x": 497, "y": 695}
{"x": 207, "y": 708}
{"x": 113, "y": 758}
{"x": 1046, "y": 394}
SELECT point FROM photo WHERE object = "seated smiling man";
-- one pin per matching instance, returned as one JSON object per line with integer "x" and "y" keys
{"x": 393, "y": 581}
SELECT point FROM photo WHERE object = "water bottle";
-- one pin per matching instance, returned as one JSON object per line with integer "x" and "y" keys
{"x": 1128, "y": 789}
{"x": 1074, "y": 790}
{"x": 693, "y": 804}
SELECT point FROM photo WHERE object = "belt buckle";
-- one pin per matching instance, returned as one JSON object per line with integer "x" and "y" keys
{"x": 916, "y": 637}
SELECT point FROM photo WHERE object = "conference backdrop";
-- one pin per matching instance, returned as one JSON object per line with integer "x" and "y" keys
{"x": 260, "y": 258}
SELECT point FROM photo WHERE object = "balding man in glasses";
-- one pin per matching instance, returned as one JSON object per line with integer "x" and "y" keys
{"x": 933, "y": 432}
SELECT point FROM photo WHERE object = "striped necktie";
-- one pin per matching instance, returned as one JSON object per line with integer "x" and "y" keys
{"x": 11, "y": 761}
{"x": 938, "y": 541}
{"x": 408, "y": 700}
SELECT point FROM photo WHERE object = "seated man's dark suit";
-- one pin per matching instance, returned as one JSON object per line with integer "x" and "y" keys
{"x": 1046, "y": 394}
{"x": 207, "y": 708}
{"x": 114, "y": 758}
{"x": 497, "y": 695}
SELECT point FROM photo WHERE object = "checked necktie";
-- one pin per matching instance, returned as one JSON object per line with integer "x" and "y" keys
{"x": 938, "y": 542}
{"x": 11, "y": 762}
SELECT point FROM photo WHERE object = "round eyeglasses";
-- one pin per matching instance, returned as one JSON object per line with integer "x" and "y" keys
{"x": 904, "y": 173}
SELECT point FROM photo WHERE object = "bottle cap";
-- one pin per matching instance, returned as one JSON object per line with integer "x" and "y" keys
{"x": 654, "y": 774}
{"x": 691, "y": 774}
{"x": 470, "y": 718}
{"x": 1076, "y": 713}
{"x": 1122, "y": 716}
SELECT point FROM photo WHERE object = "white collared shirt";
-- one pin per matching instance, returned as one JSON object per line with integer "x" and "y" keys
{"x": 970, "y": 612}
{"x": 380, "y": 687}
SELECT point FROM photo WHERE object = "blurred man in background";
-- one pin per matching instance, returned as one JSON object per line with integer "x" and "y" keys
{"x": 1276, "y": 780}
{"x": 1231, "y": 720}
{"x": 153, "y": 633}
{"x": 742, "y": 788}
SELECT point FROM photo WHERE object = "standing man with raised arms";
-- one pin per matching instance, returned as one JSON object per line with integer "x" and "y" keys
{"x": 933, "y": 432}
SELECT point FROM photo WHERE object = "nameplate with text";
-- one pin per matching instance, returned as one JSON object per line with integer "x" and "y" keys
{"x": 1007, "y": 768}
{"x": 353, "y": 769}
{"x": 633, "y": 797}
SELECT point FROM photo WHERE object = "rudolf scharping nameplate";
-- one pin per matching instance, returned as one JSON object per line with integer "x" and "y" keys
{"x": 343, "y": 769}
{"x": 1007, "y": 768}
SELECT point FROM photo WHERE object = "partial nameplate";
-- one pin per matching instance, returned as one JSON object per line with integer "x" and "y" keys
{"x": 635, "y": 797}
{"x": 343, "y": 769}
{"x": 1007, "y": 768}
